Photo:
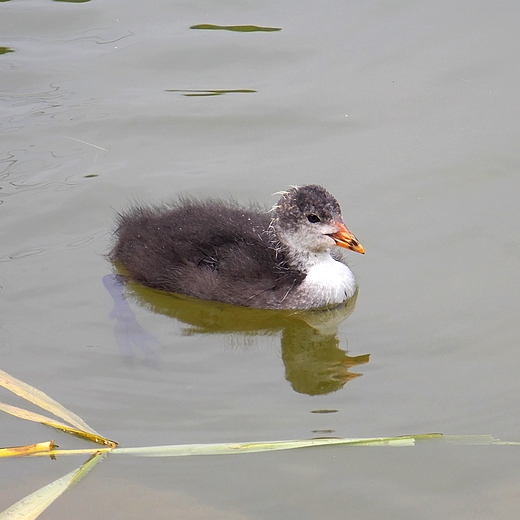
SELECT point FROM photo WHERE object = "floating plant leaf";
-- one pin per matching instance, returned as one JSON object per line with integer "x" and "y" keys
{"x": 194, "y": 93}
{"x": 79, "y": 427}
{"x": 255, "y": 447}
{"x": 53, "y": 423}
{"x": 183, "y": 450}
{"x": 33, "y": 505}
{"x": 39, "y": 398}
{"x": 236, "y": 28}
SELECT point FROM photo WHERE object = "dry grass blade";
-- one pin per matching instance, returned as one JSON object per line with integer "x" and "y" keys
{"x": 26, "y": 451}
{"x": 34, "y": 504}
{"x": 31, "y": 416}
{"x": 53, "y": 423}
{"x": 254, "y": 447}
{"x": 42, "y": 400}
{"x": 182, "y": 450}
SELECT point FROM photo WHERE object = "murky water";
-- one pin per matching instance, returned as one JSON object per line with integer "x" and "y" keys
{"x": 406, "y": 111}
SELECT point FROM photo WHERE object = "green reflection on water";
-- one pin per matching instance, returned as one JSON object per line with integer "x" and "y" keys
{"x": 236, "y": 28}
{"x": 212, "y": 92}
{"x": 310, "y": 348}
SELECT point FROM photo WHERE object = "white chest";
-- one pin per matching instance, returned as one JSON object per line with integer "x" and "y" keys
{"x": 329, "y": 282}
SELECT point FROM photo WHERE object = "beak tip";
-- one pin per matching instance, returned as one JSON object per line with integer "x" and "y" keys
{"x": 344, "y": 238}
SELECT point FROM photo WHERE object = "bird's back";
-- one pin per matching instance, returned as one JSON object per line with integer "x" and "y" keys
{"x": 209, "y": 250}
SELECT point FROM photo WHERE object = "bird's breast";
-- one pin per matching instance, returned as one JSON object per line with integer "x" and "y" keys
{"x": 328, "y": 282}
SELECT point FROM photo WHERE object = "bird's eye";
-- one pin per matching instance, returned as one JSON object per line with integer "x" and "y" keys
{"x": 312, "y": 218}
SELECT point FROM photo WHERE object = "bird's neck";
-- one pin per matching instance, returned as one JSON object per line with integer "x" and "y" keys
{"x": 297, "y": 254}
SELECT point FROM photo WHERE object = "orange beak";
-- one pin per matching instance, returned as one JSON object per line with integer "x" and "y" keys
{"x": 344, "y": 238}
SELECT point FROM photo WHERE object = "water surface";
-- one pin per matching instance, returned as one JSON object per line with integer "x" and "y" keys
{"x": 406, "y": 111}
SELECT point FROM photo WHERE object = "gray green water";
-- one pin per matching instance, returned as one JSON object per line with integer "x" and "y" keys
{"x": 406, "y": 111}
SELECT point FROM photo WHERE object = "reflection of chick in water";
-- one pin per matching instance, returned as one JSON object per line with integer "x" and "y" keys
{"x": 314, "y": 363}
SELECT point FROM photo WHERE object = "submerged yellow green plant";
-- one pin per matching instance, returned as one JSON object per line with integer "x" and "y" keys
{"x": 32, "y": 505}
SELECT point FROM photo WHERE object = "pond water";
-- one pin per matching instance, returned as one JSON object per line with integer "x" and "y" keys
{"x": 407, "y": 112}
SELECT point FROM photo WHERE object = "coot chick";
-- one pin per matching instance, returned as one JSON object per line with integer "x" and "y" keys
{"x": 215, "y": 250}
